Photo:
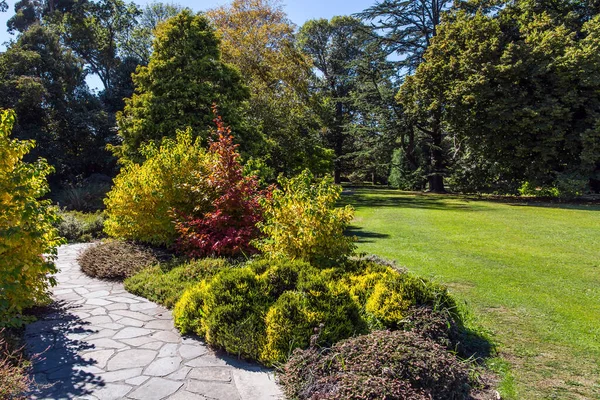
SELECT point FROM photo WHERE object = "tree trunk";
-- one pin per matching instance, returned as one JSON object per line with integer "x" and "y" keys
{"x": 436, "y": 177}
{"x": 337, "y": 175}
{"x": 436, "y": 184}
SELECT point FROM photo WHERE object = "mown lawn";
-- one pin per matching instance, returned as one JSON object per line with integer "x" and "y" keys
{"x": 530, "y": 274}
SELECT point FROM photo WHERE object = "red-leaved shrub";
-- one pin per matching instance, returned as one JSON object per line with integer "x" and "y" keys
{"x": 229, "y": 228}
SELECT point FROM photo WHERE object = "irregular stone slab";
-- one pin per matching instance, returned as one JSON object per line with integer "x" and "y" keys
{"x": 112, "y": 392}
{"x": 213, "y": 390}
{"x": 106, "y": 343}
{"x": 136, "y": 323}
{"x": 166, "y": 336}
{"x": 206, "y": 361}
{"x": 156, "y": 389}
{"x": 99, "y": 358}
{"x": 98, "y": 302}
{"x": 168, "y": 350}
{"x": 121, "y": 375}
{"x": 131, "y": 359}
{"x": 163, "y": 366}
{"x": 134, "y": 315}
{"x": 190, "y": 351}
{"x": 137, "y": 381}
{"x": 217, "y": 374}
{"x": 161, "y": 324}
{"x": 130, "y": 333}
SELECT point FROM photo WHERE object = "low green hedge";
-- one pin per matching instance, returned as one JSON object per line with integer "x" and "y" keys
{"x": 269, "y": 307}
{"x": 165, "y": 283}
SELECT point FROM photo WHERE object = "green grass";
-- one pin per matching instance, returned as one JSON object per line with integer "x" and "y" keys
{"x": 531, "y": 273}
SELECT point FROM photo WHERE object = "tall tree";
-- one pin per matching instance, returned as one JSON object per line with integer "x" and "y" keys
{"x": 334, "y": 46}
{"x": 518, "y": 91}
{"x": 258, "y": 38}
{"x": 406, "y": 27}
{"x": 136, "y": 43}
{"x": 45, "y": 83}
{"x": 92, "y": 29}
{"x": 184, "y": 78}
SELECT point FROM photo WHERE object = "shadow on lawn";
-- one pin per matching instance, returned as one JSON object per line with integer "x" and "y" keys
{"x": 363, "y": 235}
{"x": 58, "y": 370}
{"x": 392, "y": 198}
{"x": 386, "y": 197}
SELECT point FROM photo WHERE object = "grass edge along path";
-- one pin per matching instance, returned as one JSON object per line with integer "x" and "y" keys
{"x": 530, "y": 274}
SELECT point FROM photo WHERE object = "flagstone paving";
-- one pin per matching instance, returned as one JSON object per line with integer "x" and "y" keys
{"x": 103, "y": 343}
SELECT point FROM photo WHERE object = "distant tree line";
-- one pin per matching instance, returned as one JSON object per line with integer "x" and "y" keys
{"x": 499, "y": 96}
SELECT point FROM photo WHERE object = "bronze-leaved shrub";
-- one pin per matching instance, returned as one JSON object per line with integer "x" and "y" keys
{"x": 173, "y": 177}
{"x": 26, "y": 228}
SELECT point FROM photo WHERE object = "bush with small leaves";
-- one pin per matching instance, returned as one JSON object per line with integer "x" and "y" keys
{"x": 140, "y": 205}
{"x": 383, "y": 364}
{"x": 28, "y": 239}
{"x": 117, "y": 260}
{"x": 303, "y": 222}
{"x": 165, "y": 283}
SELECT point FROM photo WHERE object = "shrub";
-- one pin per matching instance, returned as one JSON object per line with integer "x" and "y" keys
{"x": 165, "y": 284}
{"x": 76, "y": 226}
{"x": 115, "y": 259}
{"x": 382, "y": 364}
{"x": 302, "y": 222}
{"x": 292, "y": 320}
{"x": 26, "y": 228}
{"x": 228, "y": 311}
{"x": 386, "y": 295}
{"x": 14, "y": 377}
{"x": 139, "y": 207}
{"x": 230, "y": 225}
{"x": 269, "y": 307}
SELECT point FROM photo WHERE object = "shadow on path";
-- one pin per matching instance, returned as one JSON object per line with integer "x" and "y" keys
{"x": 57, "y": 340}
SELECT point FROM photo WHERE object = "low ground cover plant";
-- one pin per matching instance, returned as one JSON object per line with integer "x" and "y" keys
{"x": 117, "y": 260}
{"x": 380, "y": 365}
{"x": 165, "y": 283}
{"x": 26, "y": 228}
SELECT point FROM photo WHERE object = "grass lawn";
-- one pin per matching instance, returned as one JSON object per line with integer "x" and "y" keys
{"x": 530, "y": 274}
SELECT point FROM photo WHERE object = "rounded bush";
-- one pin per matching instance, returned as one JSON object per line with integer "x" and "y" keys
{"x": 187, "y": 314}
{"x": 114, "y": 259}
{"x": 400, "y": 364}
{"x": 229, "y": 311}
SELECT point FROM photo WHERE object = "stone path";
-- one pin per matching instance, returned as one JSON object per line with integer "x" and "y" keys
{"x": 103, "y": 343}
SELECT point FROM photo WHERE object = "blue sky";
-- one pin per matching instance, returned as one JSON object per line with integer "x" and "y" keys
{"x": 299, "y": 11}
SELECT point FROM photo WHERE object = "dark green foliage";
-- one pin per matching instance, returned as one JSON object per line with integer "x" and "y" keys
{"x": 116, "y": 260}
{"x": 334, "y": 46}
{"x": 76, "y": 226}
{"x": 234, "y": 309}
{"x": 177, "y": 89}
{"x": 391, "y": 365}
{"x": 165, "y": 283}
{"x": 269, "y": 307}
{"x": 44, "y": 82}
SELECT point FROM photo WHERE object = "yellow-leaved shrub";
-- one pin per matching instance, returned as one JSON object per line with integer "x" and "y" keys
{"x": 303, "y": 222}
{"x": 141, "y": 204}
{"x": 26, "y": 228}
